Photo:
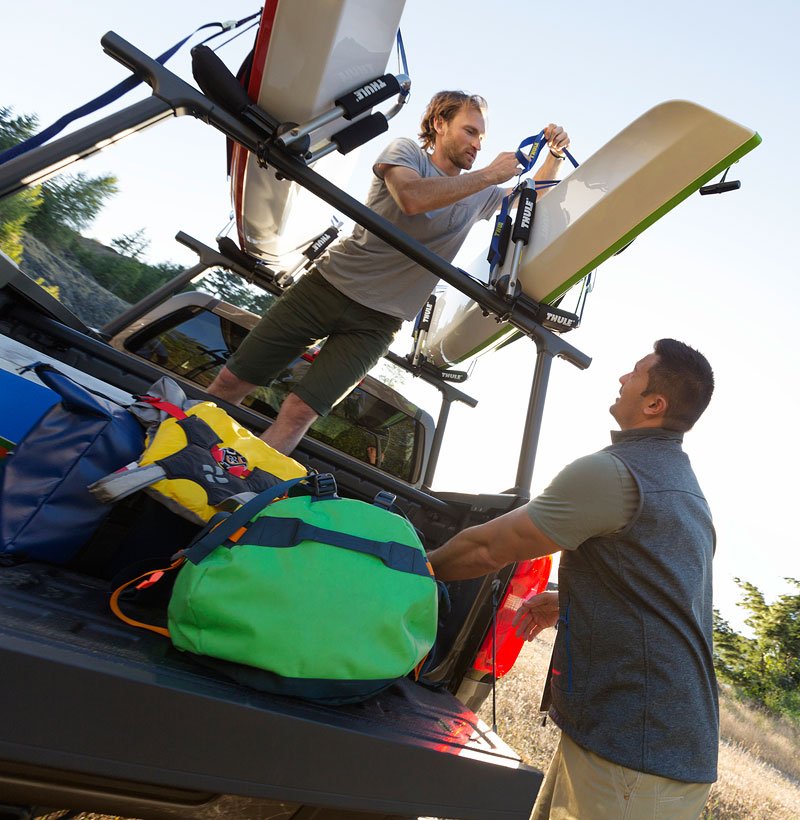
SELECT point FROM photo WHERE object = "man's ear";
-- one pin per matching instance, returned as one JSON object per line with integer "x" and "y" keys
{"x": 438, "y": 125}
{"x": 655, "y": 405}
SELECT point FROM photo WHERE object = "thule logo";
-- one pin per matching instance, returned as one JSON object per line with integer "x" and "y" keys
{"x": 368, "y": 89}
{"x": 426, "y": 312}
{"x": 320, "y": 243}
{"x": 527, "y": 214}
{"x": 557, "y": 319}
{"x": 453, "y": 375}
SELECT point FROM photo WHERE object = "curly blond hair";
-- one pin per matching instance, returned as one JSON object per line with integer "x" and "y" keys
{"x": 446, "y": 104}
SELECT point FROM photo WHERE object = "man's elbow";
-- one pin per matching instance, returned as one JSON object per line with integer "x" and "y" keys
{"x": 411, "y": 207}
{"x": 459, "y": 564}
{"x": 491, "y": 560}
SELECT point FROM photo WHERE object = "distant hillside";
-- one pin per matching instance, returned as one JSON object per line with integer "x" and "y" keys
{"x": 79, "y": 292}
{"x": 97, "y": 283}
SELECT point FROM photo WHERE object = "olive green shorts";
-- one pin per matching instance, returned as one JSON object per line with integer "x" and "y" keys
{"x": 356, "y": 338}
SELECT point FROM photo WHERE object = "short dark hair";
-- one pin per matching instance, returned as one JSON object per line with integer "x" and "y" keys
{"x": 446, "y": 104}
{"x": 684, "y": 376}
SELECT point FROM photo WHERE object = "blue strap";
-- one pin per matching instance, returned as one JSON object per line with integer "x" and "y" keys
{"x": 537, "y": 142}
{"x": 210, "y": 538}
{"x": 572, "y": 159}
{"x": 276, "y": 532}
{"x": 495, "y": 255}
{"x": 289, "y": 532}
{"x": 103, "y": 100}
{"x": 527, "y": 161}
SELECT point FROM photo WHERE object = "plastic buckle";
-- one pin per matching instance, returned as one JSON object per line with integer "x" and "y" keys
{"x": 385, "y": 500}
{"x": 323, "y": 486}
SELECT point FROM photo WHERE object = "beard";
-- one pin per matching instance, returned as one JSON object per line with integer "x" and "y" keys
{"x": 461, "y": 159}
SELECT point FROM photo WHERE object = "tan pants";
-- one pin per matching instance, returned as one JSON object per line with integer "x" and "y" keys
{"x": 579, "y": 785}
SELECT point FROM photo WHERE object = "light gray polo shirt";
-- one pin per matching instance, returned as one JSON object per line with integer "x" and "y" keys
{"x": 376, "y": 275}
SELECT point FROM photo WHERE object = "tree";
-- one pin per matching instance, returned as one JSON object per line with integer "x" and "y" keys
{"x": 131, "y": 244}
{"x": 231, "y": 288}
{"x": 53, "y": 210}
{"x": 69, "y": 204}
{"x": 124, "y": 276}
{"x": 765, "y": 667}
{"x": 15, "y": 129}
{"x": 16, "y": 210}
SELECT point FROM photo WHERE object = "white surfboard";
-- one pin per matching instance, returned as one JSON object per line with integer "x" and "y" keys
{"x": 641, "y": 174}
{"x": 307, "y": 54}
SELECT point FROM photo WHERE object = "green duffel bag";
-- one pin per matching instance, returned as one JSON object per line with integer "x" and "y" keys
{"x": 312, "y": 595}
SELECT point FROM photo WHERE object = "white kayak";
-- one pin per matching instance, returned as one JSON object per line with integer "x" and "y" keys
{"x": 641, "y": 174}
{"x": 307, "y": 54}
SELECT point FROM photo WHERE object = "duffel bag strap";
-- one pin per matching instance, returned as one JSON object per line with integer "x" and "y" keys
{"x": 289, "y": 532}
{"x": 216, "y": 534}
{"x": 145, "y": 579}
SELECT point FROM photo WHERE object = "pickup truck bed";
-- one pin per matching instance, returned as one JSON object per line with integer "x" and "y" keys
{"x": 119, "y": 720}
{"x": 99, "y": 716}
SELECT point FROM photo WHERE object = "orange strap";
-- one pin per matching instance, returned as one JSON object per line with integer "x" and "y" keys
{"x": 418, "y": 667}
{"x": 114, "y": 602}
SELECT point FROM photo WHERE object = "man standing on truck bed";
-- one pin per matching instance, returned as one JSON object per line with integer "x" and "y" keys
{"x": 359, "y": 294}
{"x": 632, "y": 683}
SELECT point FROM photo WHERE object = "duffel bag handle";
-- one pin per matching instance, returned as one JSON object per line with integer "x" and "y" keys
{"x": 213, "y": 536}
{"x": 75, "y": 397}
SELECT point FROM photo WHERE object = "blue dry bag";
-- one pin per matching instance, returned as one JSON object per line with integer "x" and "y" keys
{"x": 46, "y": 510}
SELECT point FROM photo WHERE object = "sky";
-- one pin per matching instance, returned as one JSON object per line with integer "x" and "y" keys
{"x": 719, "y": 273}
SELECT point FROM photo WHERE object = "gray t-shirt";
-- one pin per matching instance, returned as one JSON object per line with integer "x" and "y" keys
{"x": 376, "y": 275}
{"x": 594, "y": 495}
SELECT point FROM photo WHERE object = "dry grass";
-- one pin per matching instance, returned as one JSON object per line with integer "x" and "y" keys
{"x": 774, "y": 741}
{"x": 759, "y": 764}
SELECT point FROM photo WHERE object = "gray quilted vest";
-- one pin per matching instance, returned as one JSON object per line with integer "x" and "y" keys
{"x": 632, "y": 676}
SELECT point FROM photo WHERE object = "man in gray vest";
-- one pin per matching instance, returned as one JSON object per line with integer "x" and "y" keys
{"x": 632, "y": 683}
{"x": 359, "y": 294}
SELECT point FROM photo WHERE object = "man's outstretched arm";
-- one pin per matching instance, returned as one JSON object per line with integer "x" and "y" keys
{"x": 489, "y": 547}
{"x": 415, "y": 194}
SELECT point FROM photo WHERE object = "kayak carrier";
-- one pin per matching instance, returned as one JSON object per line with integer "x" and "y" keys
{"x": 219, "y": 85}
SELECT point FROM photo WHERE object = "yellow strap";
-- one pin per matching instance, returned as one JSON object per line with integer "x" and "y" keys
{"x": 114, "y": 602}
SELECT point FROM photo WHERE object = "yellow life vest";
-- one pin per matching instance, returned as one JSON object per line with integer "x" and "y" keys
{"x": 196, "y": 459}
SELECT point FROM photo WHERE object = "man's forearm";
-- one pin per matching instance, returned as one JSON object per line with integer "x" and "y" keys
{"x": 550, "y": 169}
{"x": 421, "y": 195}
{"x": 465, "y": 555}
{"x": 491, "y": 546}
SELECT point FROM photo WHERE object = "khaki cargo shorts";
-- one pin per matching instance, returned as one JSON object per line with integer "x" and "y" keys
{"x": 579, "y": 784}
{"x": 311, "y": 310}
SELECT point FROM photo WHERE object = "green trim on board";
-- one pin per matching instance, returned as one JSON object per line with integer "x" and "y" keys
{"x": 735, "y": 156}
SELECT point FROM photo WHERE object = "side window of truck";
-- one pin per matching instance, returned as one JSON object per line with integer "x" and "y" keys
{"x": 194, "y": 344}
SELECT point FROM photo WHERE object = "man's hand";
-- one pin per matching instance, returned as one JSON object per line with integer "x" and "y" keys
{"x": 502, "y": 168}
{"x": 557, "y": 138}
{"x": 535, "y": 614}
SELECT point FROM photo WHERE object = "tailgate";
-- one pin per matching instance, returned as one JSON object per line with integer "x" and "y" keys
{"x": 84, "y": 695}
